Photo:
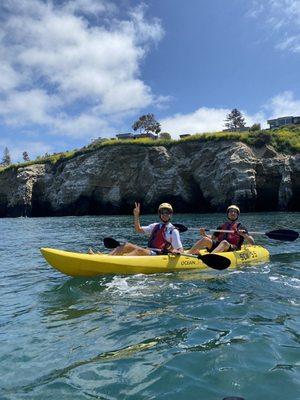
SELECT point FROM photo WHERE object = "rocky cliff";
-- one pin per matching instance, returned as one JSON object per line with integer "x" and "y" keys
{"x": 193, "y": 176}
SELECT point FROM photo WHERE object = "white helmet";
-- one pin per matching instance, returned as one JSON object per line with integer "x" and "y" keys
{"x": 166, "y": 206}
{"x": 233, "y": 207}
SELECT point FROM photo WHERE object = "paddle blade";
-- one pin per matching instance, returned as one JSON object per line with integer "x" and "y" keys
{"x": 283, "y": 234}
{"x": 111, "y": 243}
{"x": 180, "y": 227}
{"x": 215, "y": 261}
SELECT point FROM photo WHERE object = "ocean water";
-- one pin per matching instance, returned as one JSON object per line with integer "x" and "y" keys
{"x": 190, "y": 335}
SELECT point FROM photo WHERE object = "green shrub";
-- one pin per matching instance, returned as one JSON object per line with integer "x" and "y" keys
{"x": 255, "y": 127}
{"x": 286, "y": 140}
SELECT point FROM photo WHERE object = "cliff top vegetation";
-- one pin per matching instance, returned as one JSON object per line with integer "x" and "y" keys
{"x": 285, "y": 140}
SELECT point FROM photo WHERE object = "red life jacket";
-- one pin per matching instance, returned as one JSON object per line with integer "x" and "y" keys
{"x": 233, "y": 238}
{"x": 158, "y": 238}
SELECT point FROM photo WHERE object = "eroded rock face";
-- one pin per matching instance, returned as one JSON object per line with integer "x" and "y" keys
{"x": 195, "y": 177}
{"x": 16, "y": 188}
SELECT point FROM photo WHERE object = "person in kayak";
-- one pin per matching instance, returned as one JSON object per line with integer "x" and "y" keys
{"x": 224, "y": 241}
{"x": 163, "y": 236}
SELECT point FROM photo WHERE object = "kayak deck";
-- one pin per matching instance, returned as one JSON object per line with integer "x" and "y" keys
{"x": 81, "y": 264}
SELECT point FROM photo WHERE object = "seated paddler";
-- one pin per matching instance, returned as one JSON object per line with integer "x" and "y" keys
{"x": 163, "y": 237}
{"x": 224, "y": 241}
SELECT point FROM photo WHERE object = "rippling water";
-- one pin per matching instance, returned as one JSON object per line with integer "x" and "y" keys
{"x": 195, "y": 335}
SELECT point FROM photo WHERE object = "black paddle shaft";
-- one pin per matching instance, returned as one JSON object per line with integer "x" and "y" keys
{"x": 279, "y": 234}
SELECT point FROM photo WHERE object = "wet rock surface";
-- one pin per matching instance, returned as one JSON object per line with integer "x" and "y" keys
{"x": 194, "y": 177}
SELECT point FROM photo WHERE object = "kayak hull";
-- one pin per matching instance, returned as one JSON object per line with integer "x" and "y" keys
{"x": 81, "y": 264}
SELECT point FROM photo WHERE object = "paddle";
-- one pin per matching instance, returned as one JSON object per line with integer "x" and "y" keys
{"x": 233, "y": 398}
{"x": 111, "y": 243}
{"x": 213, "y": 261}
{"x": 279, "y": 234}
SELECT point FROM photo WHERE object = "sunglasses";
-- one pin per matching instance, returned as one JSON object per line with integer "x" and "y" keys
{"x": 165, "y": 212}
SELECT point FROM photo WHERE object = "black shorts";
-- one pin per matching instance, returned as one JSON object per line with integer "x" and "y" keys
{"x": 215, "y": 244}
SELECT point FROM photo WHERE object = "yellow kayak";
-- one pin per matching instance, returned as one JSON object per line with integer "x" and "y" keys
{"x": 81, "y": 264}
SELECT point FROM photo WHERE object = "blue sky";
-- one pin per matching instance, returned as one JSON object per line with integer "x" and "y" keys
{"x": 72, "y": 71}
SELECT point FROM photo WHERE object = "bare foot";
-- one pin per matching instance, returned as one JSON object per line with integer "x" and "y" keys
{"x": 90, "y": 251}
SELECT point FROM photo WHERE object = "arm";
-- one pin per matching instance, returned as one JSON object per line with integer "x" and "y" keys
{"x": 249, "y": 239}
{"x": 203, "y": 233}
{"x": 243, "y": 232}
{"x": 176, "y": 242}
{"x": 136, "y": 213}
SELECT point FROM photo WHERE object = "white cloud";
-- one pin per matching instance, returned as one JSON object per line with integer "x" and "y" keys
{"x": 57, "y": 56}
{"x": 36, "y": 107}
{"x": 145, "y": 30}
{"x": 23, "y": 107}
{"x": 126, "y": 96}
{"x": 291, "y": 43}
{"x": 34, "y": 149}
{"x": 88, "y": 6}
{"x": 77, "y": 126}
{"x": 212, "y": 119}
{"x": 283, "y": 18}
{"x": 9, "y": 79}
{"x": 204, "y": 120}
{"x": 283, "y": 104}
{"x": 257, "y": 118}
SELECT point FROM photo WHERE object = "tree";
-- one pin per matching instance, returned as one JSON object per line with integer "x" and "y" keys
{"x": 147, "y": 123}
{"x": 255, "y": 127}
{"x": 6, "y": 160}
{"x": 25, "y": 156}
{"x": 235, "y": 120}
{"x": 165, "y": 136}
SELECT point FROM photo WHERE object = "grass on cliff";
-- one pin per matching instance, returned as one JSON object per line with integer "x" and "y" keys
{"x": 285, "y": 140}
{"x": 51, "y": 159}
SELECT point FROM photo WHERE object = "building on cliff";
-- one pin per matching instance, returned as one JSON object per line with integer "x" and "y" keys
{"x": 282, "y": 121}
{"x": 130, "y": 135}
{"x": 241, "y": 129}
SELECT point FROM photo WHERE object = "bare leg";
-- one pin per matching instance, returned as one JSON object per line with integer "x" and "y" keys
{"x": 223, "y": 246}
{"x": 130, "y": 249}
{"x": 203, "y": 243}
{"x": 139, "y": 252}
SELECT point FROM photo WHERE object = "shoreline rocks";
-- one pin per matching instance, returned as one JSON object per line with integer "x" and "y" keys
{"x": 193, "y": 176}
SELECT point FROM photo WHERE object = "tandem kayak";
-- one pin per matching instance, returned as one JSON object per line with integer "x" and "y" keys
{"x": 81, "y": 264}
